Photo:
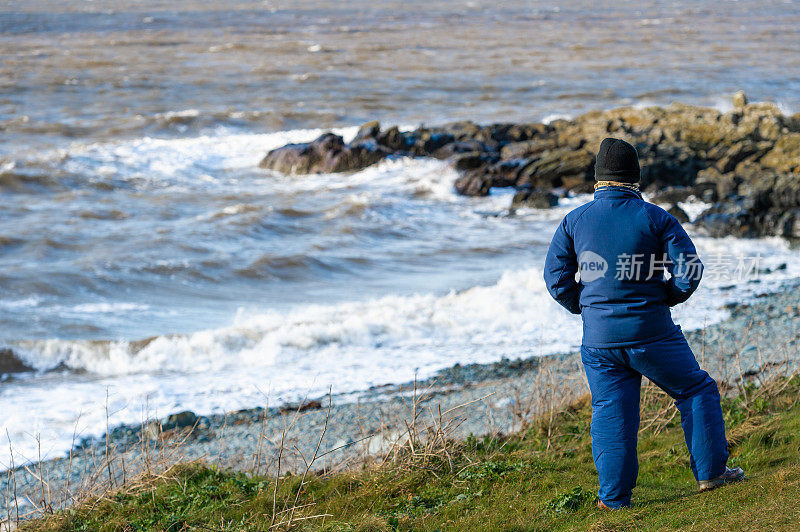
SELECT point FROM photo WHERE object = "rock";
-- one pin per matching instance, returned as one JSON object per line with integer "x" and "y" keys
{"x": 785, "y": 156}
{"x": 392, "y": 139}
{"x": 706, "y": 192}
{"x": 454, "y": 148}
{"x": 477, "y": 182}
{"x": 9, "y": 363}
{"x": 671, "y": 195}
{"x": 703, "y": 135}
{"x": 789, "y": 225}
{"x": 426, "y": 142}
{"x": 739, "y": 100}
{"x": 665, "y": 166}
{"x": 180, "y": 420}
{"x": 725, "y": 219}
{"x": 471, "y": 160}
{"x": 738, "y": 153}
{"x": 534, "y": 198}
{"x": 303, "y": 407}
{"x": 505, "y": 133}
{"x": 368, "y": 131}
{"x": 465, "y": 130}
{"x": 678, "y": 213}
{"x": 354, "y": 157}
{"x": 302, "y": 158}
{"x": 326, "y": 154}
{"x": 553, "y": 167}
{"x": 527, "y": 148}
{"x": 473, "y": 184}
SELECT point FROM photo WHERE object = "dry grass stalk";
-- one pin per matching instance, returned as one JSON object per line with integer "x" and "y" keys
{"x": 422, "y": 445}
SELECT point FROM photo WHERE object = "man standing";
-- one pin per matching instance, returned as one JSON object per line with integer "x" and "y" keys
{"x": 622, "y": 246}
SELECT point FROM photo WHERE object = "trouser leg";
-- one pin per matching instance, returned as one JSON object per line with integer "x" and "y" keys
{"x": 671, "y": 365}
{"x": 615, "y": 424}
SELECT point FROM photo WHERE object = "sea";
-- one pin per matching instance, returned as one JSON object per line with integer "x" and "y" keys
{"x": 148, "y": 266}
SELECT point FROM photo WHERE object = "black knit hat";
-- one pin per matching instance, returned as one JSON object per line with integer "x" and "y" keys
{"x": 617, "y": 161}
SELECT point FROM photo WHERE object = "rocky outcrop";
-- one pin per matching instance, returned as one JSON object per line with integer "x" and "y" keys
{"x": 9, "y": 363}
{"x": 326, "y": 154}
{"x": 745, "y": 162}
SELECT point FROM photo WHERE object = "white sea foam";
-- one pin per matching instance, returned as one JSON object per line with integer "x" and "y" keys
{"x": 182, "y": 160}
{"x": 693, "y": 207}
{"x": 31, "y": 301}
{"x": 349, "y": 346}
{"x": 107, "y": 307}
{"x": 556, "y": 116}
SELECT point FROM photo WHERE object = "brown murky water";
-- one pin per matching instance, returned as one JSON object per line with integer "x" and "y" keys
{"x": 107, "y": 68}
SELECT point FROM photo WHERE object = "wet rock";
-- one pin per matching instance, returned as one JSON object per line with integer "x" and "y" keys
{"x": 472, "y": 160}
{"x": 727, "y": 219}
{"x": 368, "y": 131}
{"x": 392, "y": 139}
{"x": 668, "y": 166}
{"x": 326, "y": 154}
{"x": 9, "y": 363}
{"x": 553, "y": 168}
{"x": 464, "y": 130}
{"x": 534, "y": 198}
{"x": 180, "y": 420}
{"x": 789, "y": 224}
{"x": 473, "y": 184}
{"x": 479, "y": 181}
{"x": 426, "y": 142}
{"x": 671, "y": 195}
{"x": 528, "y": 148}
{"x": 505, "y": 133}
{"x": 453, "y": 149}
{"x": 302, "y": 407}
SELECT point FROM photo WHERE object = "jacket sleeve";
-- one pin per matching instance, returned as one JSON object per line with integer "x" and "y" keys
{"x": 684, "y": 264}
{"x": 560, "y": 268}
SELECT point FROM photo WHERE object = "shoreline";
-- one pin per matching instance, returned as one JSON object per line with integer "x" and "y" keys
{"x": 759, "y": 339}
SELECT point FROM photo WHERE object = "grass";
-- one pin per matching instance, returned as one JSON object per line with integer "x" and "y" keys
{"x": 539, "y": 479}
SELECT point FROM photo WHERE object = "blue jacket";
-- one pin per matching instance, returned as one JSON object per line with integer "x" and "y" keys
{"x": 622, "y": 246}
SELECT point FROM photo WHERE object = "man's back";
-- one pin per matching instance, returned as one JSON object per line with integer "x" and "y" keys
{"x": 621, "y": 245}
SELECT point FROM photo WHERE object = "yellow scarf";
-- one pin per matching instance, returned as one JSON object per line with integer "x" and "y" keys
{"x": 632, "y": 186}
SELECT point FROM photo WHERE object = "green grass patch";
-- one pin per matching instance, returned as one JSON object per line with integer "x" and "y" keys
{"x": 542, "y": 478}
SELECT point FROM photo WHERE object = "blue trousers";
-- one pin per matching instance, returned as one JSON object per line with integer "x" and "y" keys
{"x": 614, "y": 377}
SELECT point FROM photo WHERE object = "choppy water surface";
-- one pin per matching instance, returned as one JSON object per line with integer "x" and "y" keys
{"x": 133, "y": 207}
{"x": 107, "y": 68}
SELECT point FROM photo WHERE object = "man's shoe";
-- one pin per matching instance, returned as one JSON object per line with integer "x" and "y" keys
{"x": 602, "y": 506}
{"x": 730, "y": 475}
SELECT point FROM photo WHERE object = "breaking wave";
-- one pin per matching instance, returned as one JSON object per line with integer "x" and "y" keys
{"x": 470, "y": 324}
